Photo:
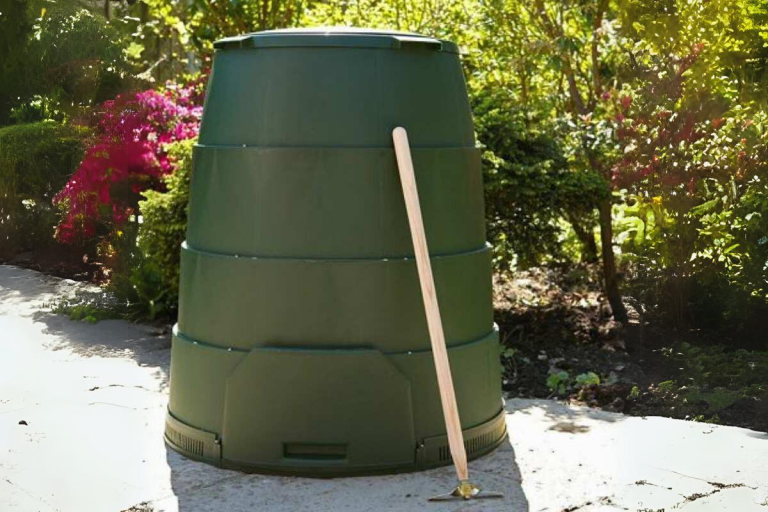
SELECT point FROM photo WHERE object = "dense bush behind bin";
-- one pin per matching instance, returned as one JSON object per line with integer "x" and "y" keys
{"x": 147, "y": 276}
{"x": 165, "y": 218}
{"x": 529, "y": 189}
{"x": 35, "y": 162}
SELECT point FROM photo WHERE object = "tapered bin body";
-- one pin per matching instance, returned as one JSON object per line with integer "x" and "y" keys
{"x": 302, "y": 344}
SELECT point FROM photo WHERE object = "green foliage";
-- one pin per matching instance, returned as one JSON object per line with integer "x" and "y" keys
{"x": 716, "y": 400}
{"x": 145, "y": 256}
{"x": 85, "y": 312}
{"x": 558, "y": 382}
{"x": 62, "y": 60}
{"x": 79, "y": 59}
{"x": 35, "y": 161}
{"x": 170, "y": 38}
{"x": 528, "y": 186}
{"x": 588, "y": 379}
{"x": 87, "y": 305}
{"x": 695, "y": 171}
{"x": 15, "y": 29}
{"x": 711, "y": 379}
{"x": 165, "y": 220}
{"x": 39, "y": 108}
{"x": 134, "y": 279}
{"x": 666, "y": 386}
{"x": 717, "y": 366}
{"x": 142, "y": 290}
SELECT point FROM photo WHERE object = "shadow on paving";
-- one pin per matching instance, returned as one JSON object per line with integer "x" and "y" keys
{"x": 559, "y": 412}
{"x": 20, "y": 286}
{"x": 111, "y": 338}
{"x": 199, "y": 487}
{"x": 23, "y": 293}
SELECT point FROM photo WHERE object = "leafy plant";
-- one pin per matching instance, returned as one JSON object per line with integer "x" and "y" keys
{"x": 165, "y": 221}
{"x": 62, "y": 60}
{"x": 88, "y": 306}
{"x": 588, "y": 379}
{"x": 667, "y": 386}
{"x": 558, "y": 382}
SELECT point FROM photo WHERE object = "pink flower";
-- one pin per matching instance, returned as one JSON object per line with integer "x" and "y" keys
{"x": 133, "y": 132}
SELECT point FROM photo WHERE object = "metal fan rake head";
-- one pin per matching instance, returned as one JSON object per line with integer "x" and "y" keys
{"x": 467, "y": 491}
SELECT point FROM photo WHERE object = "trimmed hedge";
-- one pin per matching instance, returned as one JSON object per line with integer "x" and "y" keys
{"x": 36, "y": 160}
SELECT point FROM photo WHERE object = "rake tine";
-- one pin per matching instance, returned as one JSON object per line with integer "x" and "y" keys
{"x": 467, "y": 491}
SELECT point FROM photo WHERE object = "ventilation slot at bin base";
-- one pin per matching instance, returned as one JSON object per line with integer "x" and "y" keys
{"x": 435, "y": 451}
{"x": 307, "y": 451}
{"x": 191, "y": 441}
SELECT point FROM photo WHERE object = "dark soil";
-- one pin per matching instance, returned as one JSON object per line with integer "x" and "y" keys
{"x": 554, "y": 321}
{"x": 66, "y": 261}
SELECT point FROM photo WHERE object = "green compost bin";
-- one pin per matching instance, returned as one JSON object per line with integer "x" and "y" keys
{"x": 302, "y": 344}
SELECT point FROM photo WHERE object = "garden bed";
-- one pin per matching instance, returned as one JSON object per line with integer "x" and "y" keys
{"x": 68, "y": 262}
{"x": 560, "y": 341}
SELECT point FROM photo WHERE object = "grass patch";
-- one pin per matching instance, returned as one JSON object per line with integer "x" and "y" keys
{"x": 88, "y": 306}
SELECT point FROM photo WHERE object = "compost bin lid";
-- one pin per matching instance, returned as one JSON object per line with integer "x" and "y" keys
{"x": 335, "y": 37}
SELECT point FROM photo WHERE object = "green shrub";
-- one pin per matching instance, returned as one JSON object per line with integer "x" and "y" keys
{"x": 136, "y": 280}
{"x": 38, "y": 108}
{"x": 61, "y": 62}
{"x": 588, "y": 379}
{"x": 529, "y": 189}
{"x": 558, "y": 382}
{"x": 152, "y": 281}
{"x": 15, "y": 30}
{"x": 35, "y": 162}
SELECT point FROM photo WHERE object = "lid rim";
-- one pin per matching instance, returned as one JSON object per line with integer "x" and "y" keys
{"x": 339, "y": 38}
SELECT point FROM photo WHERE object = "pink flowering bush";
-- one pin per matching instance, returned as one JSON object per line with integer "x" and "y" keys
{"x": 128, "y": 157}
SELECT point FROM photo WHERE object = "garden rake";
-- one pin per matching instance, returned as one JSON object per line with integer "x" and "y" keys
{"x": 465, "y": 490}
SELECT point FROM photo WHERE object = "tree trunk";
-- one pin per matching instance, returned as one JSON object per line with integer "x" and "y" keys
{"x": 610, "y": 279}
{"x": 586, "y": 238}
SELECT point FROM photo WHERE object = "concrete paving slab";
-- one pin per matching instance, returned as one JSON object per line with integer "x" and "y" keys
{"x": 93, "y": 398}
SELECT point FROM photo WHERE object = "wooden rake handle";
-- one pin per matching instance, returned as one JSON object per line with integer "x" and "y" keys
{"x": 428, "y": 293}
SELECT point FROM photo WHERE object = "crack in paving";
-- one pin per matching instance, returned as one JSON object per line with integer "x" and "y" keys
{"x": 41, "y": 500}
{"x": 122, "y": 386}
{"x": 122, "y": 406}
{"x": 604, "y": 500}
{"x": 718, "y": 488}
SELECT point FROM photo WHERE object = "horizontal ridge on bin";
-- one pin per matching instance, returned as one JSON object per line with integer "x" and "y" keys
{"x": 331, "y": 146}
{"x": 330, "y": 347}
{"x": 185, "y": 245}
{"x": 334, "y": 37}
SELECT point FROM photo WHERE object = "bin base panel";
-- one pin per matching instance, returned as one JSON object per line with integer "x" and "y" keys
{"x": 433, "y": 452}
{"x": 328, "y": 411}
